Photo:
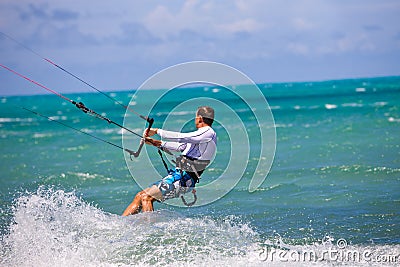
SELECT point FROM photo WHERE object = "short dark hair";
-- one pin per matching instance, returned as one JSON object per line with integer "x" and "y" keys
{"x": 207, "y": 113}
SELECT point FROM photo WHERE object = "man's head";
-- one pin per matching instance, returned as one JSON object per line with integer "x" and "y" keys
{"x": 205, "y": 115}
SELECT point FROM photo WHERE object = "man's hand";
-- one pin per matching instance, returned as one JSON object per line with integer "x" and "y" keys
{"x": 150, "y": 132}
{"x": 151, "y": 141}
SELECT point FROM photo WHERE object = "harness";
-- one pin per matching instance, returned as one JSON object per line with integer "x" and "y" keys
{"x": 193, "y": 167}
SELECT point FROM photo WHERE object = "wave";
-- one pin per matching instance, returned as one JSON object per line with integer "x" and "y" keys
{"x": 174, "y": 113}
{"x": 57, "y": 228}
{"x": 52, "y": 227}
{"x": 328, "y": 106}
{"x": 3, "y": 120}
{"x": 360, "y": 169}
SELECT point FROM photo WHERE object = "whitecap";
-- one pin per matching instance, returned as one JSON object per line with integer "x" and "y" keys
{"x": 391, "y": 119}
{"x": 289, "y": 125}
{"x": 275, "y": 107}
{"x": 42, "y": 135}
{"x": 354, "y": 105}
{"x": 87, "y": 130}
{"x": 123, "y": 131}
{"x": 7, "y": 119}
{"x": 330, "y": 106}
{"x": 180, "y": 113}
{"x": 109, "y": 131}
{"x": 54, "y": 118}
{"x": 380, "y": 104}
{"x": 15, "y": 120}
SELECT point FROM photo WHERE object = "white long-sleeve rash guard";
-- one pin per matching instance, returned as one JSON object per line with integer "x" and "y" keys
{"x": 200, "y": 144}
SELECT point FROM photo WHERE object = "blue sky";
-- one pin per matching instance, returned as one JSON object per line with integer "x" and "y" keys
{"x": 117, "y": 45}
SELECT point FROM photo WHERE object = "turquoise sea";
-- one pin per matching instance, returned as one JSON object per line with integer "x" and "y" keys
{"x": 332, "y": 196}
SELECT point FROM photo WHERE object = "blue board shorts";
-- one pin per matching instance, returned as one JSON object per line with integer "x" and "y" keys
{"x": 175, "y": 184}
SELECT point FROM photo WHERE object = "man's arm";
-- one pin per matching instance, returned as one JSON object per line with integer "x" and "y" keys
{"x": 151, "y": 141}
{"x": 174, "y": 146}
{"x": 202, "y": 135}
{"x": 150, "y": 132}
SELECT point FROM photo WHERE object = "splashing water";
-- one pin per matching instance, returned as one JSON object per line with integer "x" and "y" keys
{"x": 52, "y": 227}
{"x": 56, "y": 228}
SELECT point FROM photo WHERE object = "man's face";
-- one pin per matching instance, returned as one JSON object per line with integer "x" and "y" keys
{"x": 197, "y": 120}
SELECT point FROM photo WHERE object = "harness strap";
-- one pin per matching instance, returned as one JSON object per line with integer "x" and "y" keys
{"x": 190, "y": 203}
{"x": 195, "y": 172}
{"x": 168, "y": 171}
{"x": 163, "y": 160}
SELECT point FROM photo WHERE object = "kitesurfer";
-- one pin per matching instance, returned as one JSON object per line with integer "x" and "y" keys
{"x": 197, "y": 150}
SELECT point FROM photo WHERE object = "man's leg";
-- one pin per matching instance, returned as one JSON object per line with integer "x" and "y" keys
{"x": 151, "y": 194}
{"x": 134, "y": 207}
{"x": 144, "y": 199}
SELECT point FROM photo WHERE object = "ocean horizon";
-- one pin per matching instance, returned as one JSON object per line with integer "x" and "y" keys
{"x": 87, "y": 90}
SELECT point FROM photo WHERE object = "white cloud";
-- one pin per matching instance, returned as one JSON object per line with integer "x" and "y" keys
{"x": 205, "y": 18}
{"x": 302, "y": 24}
{"x": 249, "y": 25}
{"x": 249, "y": 33}
{"x": 298, "y": 48}
{"x": 165, "y": 22}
